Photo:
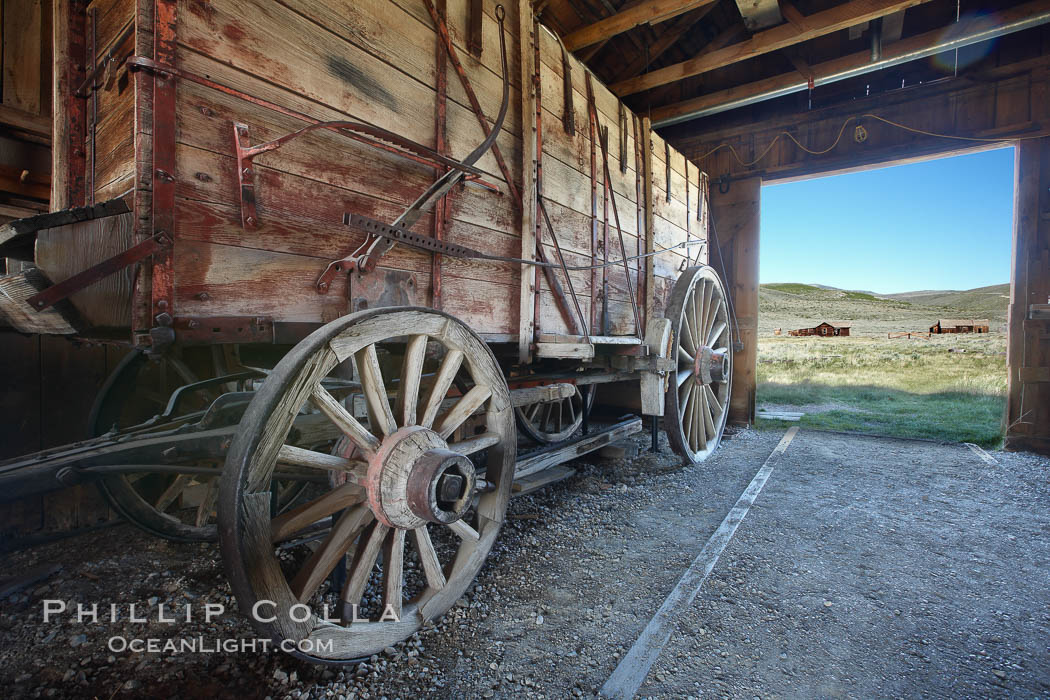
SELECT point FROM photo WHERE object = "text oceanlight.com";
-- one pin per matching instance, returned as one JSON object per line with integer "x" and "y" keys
{"x": 201, "y": 645}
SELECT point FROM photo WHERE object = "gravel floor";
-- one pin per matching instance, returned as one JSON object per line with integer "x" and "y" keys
{"x": 867, "y": 567}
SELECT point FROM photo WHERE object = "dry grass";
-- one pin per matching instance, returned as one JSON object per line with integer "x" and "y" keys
{"x": 947, "y": 387}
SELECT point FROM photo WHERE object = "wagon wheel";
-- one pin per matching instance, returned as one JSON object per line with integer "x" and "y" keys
{"x": 409, "y": 477}
{"x": 136, "y": 390}
{"x": 553, "y": 421}
{"x": 697, "y": 398}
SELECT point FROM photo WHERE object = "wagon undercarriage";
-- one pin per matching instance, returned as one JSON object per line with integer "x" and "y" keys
{"x": 346, "y": 363}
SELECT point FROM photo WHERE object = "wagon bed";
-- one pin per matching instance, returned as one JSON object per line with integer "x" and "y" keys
{"x": 362, "y": 250}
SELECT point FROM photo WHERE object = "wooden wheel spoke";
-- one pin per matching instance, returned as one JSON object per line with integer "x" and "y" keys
{"x": 716, "y": 331}
{"x": 174, "y": 490}
{"x": 429, "y": 559}
{"x": 688, "y": 334}
{"x": 683, "y": 374}
{"x": 411, "y": 373}
{"x": 342, "y": 419}
{"x": 714, "y": 399}
{"x": 699, "y": 309}
{"x": 379, "y": 412}
{"x": 393, "y": 571}
{"x": 465, "y": 531}
{"x": 533, "y": 410}
{"x": 330, "y": 553}
{"x": 709, "y": 421}
{"x": 572, "y": 410}
{"x": 442, "y": 382}
{"x": 299, "y": 457}
{"x": 475, "y": 443}
{"x": 707, "y": 314}
{"x": 701, "y": 427}
{"x": 463, "y": 409}
{"x": 364, "y": 559}
{"x": 684, "y": 356}
{"x": 683, "y": 398}
{"x": 207, "y": 504}
{"x": 694, "y": 414}
{"x": 293, "y": 521}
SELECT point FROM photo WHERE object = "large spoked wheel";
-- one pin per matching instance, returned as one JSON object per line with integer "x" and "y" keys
{"x": 420, "y": 493}
{"x": 553, "y": 421}
{"x": 166, "y": 502}
{"x": 697, "y": 399}
{"x": 175, "y": 506}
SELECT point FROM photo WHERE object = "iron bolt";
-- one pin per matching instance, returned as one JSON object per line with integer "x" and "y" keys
{"x": 192, "y": 323}
{"x": 247, "y": 172}
{"x": 250, "y": 220}
{"x": 162, "y": 304}
{"x": 204, "y": 296}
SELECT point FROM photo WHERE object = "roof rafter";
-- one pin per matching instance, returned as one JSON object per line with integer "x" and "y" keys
{"x": 803, "y": 28}
{"x": 790, "y": 82}
{"x": 668, "y": 38}
{"x": 645, "y": 12}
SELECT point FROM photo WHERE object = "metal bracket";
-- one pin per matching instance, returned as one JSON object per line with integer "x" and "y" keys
{"x": 568, "y": 116}
{"x": 224, "y": 329}
{"x": 88, "y": 277}
{"x": 623, "y": 137}
{"x": 246, "y": 154}
{"x": 474, "y": 37}
{"x": 667, "y": 165}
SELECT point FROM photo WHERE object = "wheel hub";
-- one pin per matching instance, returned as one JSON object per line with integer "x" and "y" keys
{"x": 414, "y": 479}
{"x": 711, "y": 366}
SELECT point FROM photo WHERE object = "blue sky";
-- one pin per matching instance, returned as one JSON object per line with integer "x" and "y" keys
{"x": 939, "y": 224}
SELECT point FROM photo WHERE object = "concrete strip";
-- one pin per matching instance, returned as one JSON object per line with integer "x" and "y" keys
{"x": 629, "y": 675}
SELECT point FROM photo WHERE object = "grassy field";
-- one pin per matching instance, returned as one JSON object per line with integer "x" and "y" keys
{"x": 949, "y": 387}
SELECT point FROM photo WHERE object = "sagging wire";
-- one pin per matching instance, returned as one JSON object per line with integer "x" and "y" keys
{"x": 842, "y": 130}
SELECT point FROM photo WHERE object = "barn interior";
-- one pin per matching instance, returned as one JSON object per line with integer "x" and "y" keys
{"x": 750, "y": 92}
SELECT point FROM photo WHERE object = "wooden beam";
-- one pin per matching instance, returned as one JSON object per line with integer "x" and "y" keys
{"x": 646, "y": 12}
{"x": 668, "y": 38}
{"x": 24, "y": 121}
{"x": 819, "y": 71}
{"x": 788, "y": 34}
{"x": 527, "y": 28}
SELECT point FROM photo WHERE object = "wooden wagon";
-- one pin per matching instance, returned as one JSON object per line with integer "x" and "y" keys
{"x": 361, "y": 250}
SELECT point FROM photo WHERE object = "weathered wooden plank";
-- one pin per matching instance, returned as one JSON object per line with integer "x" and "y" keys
{"x": 327, "y": 69}
{"x": 64, "y": 251}
{"x": 530, "y": 156}
{"x": 21, "y": 54}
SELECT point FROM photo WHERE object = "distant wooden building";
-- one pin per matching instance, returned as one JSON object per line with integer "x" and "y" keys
{"x": 825, "y": 329}
{"x": 960, "y": 325}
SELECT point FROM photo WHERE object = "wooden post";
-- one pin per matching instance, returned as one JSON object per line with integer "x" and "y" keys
{"x": 735, "y": 221}
{"x": 67, "y": 143}
{"x": 1027, "y": 416}
{"x": 527, "y": 313}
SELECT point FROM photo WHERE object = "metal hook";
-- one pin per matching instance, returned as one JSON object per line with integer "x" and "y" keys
{"x": 723, "y": 184}
{"x": 500, "y": 13}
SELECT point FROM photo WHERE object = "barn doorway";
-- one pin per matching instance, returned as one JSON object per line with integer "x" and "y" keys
{"x": 858, "y": 269}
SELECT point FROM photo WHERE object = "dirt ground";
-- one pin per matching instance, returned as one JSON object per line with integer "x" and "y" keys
{"x": 867, "y": 567}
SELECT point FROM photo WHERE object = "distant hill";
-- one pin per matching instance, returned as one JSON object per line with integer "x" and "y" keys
{"x": 993, "y": 299}
{"x": 791, "y": 305}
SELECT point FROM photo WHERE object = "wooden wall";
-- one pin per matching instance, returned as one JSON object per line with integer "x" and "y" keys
{"x": 47, "y": 384}
{"x": 1006, "y": 105}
